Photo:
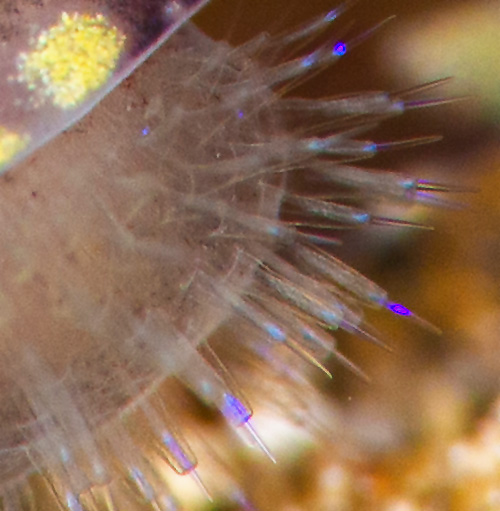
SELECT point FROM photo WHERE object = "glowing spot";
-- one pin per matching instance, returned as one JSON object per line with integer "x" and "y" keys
{"x": 11, "y": 143}
{"x": 317, "y": 144}
{"x": 309, "y": 60}
{"x": 331, "y": 16}
{"x": 340, "y": 49}
{"x": 399, "y": 309}
{"x": 370, "y": 148}
{"x": 362, "y": 218}
{"x": 185, "y": 464}
{"x": 72, "y": 59}
{"x": 72, "y": 502}
{"x": 234, "y": 410}
{"x": 275, "y": 332}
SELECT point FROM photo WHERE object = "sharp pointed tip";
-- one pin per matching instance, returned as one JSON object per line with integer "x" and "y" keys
{"x": 413, "y": 91}
{"x": 201, "y": 485}
{"x": 369, "y": 334}
{"x": 397, "y": 222}
{"x": 427, "y": 325}
{"x": 431, "y": 103}
{"x": 258, "y": 441}
{"x": 405, "y": 144}
{"x": 305, "y": 355}
{"x": 401, "y": 310}
{"x": 351, "y": 366}
{"x": 433, "y": 187}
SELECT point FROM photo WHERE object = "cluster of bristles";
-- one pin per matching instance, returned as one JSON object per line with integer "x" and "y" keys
{"x": 283, "y": 281}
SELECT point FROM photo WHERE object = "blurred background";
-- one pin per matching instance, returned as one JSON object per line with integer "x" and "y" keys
{"x": 425, "y": 433}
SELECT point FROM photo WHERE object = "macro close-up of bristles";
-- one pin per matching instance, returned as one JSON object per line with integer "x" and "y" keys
{"x": 249, "y": 255}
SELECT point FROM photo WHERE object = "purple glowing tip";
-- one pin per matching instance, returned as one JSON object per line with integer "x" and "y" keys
{"x": 339, "y": 49}
{"x": 235, "y": 411}
{"x": 399, "y": 309}
{"x": 185, "y": 465}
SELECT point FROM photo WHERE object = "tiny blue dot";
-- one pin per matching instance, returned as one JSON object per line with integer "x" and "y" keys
{"x": 362, "y": 218}
{"x": 317, "y": 145}
{"x": 340, "y": 49}
{"x": 370, "y": 148}
{"x": 309, "y": 60}
{"x": 241, "y": 114}
{"x": 275, "y": 332}
{"x": 329, "y": 317}
{"x": 409, "y": 184}
{"x": 332, "y": 15}
{"x": 274, "y": 230}
{"x": 146, "y": 131}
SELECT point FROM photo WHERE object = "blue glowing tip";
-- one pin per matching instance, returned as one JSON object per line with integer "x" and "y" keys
{"x": 309, "y": 60}
{"x": 339, "y": 49}
{"x": 146, "y": 131}
{"x": 274, "y": 230}
{"x": 235, "y": 411}
{"x": 177, "y": 452}
{"x": 275, "y": 332}
{"x": 399, "y": 309}
{"x": 370, "y": 148}
{"x": 241, "y": 114}
{"x": 332, "y": 15}
{"x": 362, "y": 218}
{"x": 317, "y": 144}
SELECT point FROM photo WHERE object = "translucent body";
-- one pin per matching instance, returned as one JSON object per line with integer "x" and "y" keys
{"x": 131, "y": 237}
{"x": 103, "y": 241}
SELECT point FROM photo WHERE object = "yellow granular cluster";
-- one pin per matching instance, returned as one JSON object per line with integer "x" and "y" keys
{"x": 72, "y": 58}
{"x": 10, "y": 144}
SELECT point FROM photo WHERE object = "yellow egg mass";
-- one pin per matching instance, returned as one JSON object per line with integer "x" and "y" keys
{"x": 73, "y": 58}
